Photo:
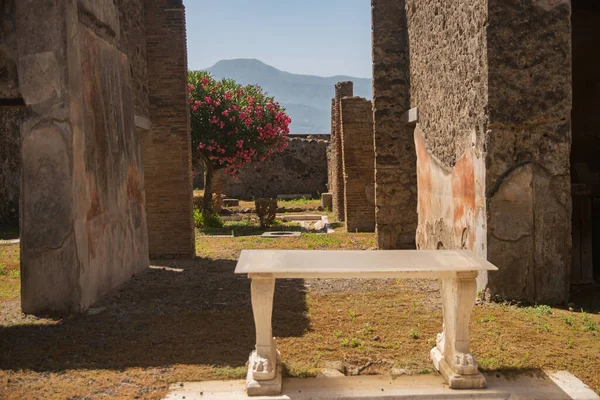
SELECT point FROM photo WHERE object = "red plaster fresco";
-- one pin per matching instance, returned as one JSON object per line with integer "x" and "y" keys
{"x": 424, "y": 186}
{"x": 463, "y": 193}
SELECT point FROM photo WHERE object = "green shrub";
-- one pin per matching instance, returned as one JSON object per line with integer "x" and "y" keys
{"x": 266, "y": 209}
{"x": 207, "y": 220}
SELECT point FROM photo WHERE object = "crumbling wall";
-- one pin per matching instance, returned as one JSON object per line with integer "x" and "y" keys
{"x": 342, "y": 89}
{"x": 528, "y": 149}
{"x": 133, "y": 43}
{"x": 83, "y": 222}
{"x": 448, "y": 74}
{"x": 358, "y": 164}
{"x": 300, "y": 168}
{"x": 12, "y": 113}
{"x": 492, "y": 81}
{"x": 167, "y": 146}
{"x": 395, "y": 157}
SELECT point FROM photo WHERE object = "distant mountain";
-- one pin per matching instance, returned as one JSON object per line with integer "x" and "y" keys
{"x": 307, "y": 98}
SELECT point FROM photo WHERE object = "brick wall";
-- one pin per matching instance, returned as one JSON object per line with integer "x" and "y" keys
{"x": 342, "y": 89}
{"x": 395, "y": 158}
{"x": 358, "y": 164}
{"x": 167, "y": 147}
{"x": 330, "y": 149}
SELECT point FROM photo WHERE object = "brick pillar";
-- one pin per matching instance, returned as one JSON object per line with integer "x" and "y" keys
{"x": 359, "y": 164}
{"x": 342, "y": 89}
{"x": 395, "y": 158}
{"x": 331, "y": 149}
{"x": 167, "y": 147}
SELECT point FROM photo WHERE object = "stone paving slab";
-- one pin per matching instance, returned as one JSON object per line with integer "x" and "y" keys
{"x": 553, "y": 386}
{"x": 9, "y": 242}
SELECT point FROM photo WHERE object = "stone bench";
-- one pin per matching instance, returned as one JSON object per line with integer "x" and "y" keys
{"x": 457, "y": 270}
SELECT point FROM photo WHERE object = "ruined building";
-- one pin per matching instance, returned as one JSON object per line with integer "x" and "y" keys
{"x": 507, "y": 102}
{"x": 502, "y": 159}
{"x": 486, "y": 137}
{"x": 98, "y": 90}
{"x": 351, "y": 160}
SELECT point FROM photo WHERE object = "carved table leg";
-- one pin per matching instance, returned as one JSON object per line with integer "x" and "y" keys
{"x": 264, "y": 367}
{"x": 451, "y": 356}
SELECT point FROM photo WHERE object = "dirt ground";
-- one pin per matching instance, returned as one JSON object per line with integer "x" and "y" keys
{"x": 192, "y": 321}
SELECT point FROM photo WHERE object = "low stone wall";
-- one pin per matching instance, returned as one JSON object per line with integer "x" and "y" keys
{"x": 301, "y": 168}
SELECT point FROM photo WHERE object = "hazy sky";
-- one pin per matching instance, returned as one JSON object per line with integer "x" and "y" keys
{"x": 317, "y": 37}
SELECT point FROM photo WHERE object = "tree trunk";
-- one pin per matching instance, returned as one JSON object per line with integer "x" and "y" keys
{"x": 208, "y": 183}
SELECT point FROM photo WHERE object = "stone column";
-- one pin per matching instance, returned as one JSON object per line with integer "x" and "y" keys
{"x": 167, "y": 147}
{"x": 342, "y": 89}
{"x": 358, "y": 163}
{"x": 83, "y": 221}
{"x": 395, "y": 158}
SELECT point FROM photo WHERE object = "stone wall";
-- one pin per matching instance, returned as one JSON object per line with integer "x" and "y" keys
{"x": 300, "y": 168}
{"x": 342, "y": 89}
{"x": 395, "y": 159}
{"x": 133, "y": 43}
{"x": 359, "y": 164}
{"x": 11, "y": 115}
{"x": 492, "y": 81}
{"x": 10, "y": 164}
{"x": 130, "y": 40}
{"x": 167, "y": 147}
{"x": 448, "y": 84}
{"x": 83, "y": 221}
{"x": 528, "y": 148}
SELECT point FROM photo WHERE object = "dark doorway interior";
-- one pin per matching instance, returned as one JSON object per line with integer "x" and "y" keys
{"x": 585, "y": 154}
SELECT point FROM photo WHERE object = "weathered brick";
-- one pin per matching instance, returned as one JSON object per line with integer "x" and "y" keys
{"x": 167, "y": 147}
{"x": 358, "y": 164}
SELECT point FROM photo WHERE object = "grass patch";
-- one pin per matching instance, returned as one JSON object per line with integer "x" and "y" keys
{"x": 249, "y": 227}
{"x": 10, "y": 272}
{"x": 539, "y": 310}
{"x": 302, "y": 203}
{"x": 126, "y": 352}
{"x": 230, "y": 373}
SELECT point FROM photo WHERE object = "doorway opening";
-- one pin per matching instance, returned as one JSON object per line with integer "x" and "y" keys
{"x": 585, "y": 162}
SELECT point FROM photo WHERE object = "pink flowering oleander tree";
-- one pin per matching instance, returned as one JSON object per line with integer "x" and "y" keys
{"x": 232, "y": 125}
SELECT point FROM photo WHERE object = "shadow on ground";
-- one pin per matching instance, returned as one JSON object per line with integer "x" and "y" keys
{"x": 586, "y": 297}
{"x": 194, "y": 312}
{"x": 9, "y": 232}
